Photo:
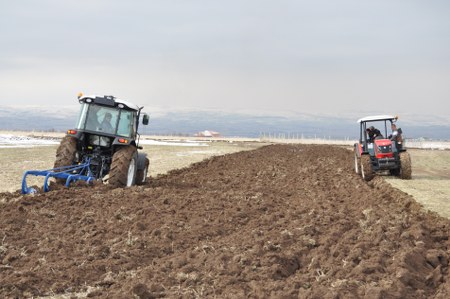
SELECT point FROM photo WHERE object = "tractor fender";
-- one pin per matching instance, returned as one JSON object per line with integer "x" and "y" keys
{"x": 141, "y": 160}
{"x": 358, "y": 149}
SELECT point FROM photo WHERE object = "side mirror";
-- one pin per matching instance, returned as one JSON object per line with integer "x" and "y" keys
{"x": 145, "y": 119}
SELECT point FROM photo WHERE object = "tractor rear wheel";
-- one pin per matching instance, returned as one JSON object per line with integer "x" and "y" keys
{"x": 65, "y": 154}
{"x": 405, "y": 166}
{"x": 141, "y": 174}
{"x": 357, "y": 162}
{"x": 366, "y": 168}
{"x": 123, "y": 167}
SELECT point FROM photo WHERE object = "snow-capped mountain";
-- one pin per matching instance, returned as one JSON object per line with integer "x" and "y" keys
{"x": 241, "y": 123}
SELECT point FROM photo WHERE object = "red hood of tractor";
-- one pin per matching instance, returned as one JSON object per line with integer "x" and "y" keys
{"x": 383, "y": 148}
{"x": 383, "y": 142}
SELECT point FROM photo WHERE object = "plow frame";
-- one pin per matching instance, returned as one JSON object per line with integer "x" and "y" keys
{"x": 72, "y": 173}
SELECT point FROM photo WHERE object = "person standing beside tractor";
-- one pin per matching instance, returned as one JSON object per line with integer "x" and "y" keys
{"x": 396, "y": 136}
{"x": 373, "y": 133}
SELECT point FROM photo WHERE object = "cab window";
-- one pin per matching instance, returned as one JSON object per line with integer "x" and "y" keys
{"x": 125, "y": 127}
{"x": 98, "y": 118}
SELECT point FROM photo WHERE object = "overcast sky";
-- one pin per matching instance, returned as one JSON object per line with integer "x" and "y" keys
{"x": 327, "y": 56}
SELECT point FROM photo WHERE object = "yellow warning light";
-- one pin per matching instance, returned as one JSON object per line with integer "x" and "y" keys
{"x": 80, "y": 94}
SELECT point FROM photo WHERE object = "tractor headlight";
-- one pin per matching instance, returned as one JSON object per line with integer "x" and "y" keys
{"x": 99, "y": 140}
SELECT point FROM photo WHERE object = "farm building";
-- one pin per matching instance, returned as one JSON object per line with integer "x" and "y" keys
{"x": 207, "y": 133}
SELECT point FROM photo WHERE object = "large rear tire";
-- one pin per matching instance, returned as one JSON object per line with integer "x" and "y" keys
{"x": 366, "y": 168}
{"x": 141, "y": 174}
{"x": 357, "y": 162}
{"x": 123, "y": 167}
{"x": 405, "y": 166}
{"x": 65, "y": 154}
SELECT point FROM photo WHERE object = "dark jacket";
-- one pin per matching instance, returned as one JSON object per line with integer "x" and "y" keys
{"x": 374, "y": 134}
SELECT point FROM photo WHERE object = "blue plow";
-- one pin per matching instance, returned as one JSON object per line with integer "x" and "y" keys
{"x": 72, "y": 173}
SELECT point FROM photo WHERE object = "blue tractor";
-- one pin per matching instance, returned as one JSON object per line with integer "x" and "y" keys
{"x": 104, "y": 145}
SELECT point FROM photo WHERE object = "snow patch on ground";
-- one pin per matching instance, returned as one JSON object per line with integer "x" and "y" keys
{"x": 22, "y": 141}
{"x": 427, "y": 144}
{"x": 172, "y": 143}
{"x": 13, "y": 141}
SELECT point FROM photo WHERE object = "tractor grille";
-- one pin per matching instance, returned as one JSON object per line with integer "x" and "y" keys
{"x": 386, "y": 162}
{"x": 384, "y": 149}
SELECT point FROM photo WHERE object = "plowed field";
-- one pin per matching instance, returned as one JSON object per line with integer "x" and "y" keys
{"x": 282, "y": 221}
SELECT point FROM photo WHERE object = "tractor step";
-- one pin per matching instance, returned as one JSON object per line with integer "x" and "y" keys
{"x": 72, "y": 173}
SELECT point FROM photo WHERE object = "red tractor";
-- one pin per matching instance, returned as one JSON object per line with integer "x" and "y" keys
{"x": 376, "y": 152}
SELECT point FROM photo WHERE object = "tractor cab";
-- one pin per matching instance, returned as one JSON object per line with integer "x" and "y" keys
{"x": 373, "y": 129}
{"x": 105, "y": 122}
{"x": 378, "y": 151}
{"x": 109, "y": 116}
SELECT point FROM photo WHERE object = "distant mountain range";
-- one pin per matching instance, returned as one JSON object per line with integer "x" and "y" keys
{"x": 229, "y": 124}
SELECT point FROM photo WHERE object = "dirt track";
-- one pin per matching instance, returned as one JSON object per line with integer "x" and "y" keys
{"x": 282, "y": 221}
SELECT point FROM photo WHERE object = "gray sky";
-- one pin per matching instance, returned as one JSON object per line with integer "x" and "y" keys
{"x": 288, "y": 55}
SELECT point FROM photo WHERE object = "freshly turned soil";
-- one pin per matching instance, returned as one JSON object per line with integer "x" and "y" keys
{"x": 282, "y": 221}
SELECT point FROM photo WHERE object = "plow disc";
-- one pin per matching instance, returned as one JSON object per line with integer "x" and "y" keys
{"x": 72, "y": 173}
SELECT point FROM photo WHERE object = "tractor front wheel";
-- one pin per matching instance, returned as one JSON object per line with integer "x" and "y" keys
{"x": 405, "y": 166}
{"x": 141, "y": 174}
{"x": 123, "y": 167}
{"x": 366, "y": 168}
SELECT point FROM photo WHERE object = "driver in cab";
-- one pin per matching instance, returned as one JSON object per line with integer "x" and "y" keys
{"x": 106, "y": 124}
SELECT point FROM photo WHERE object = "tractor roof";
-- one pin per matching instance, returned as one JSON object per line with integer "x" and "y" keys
{"x": 377, "y": 118}
{"x": 119, "y": 101}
